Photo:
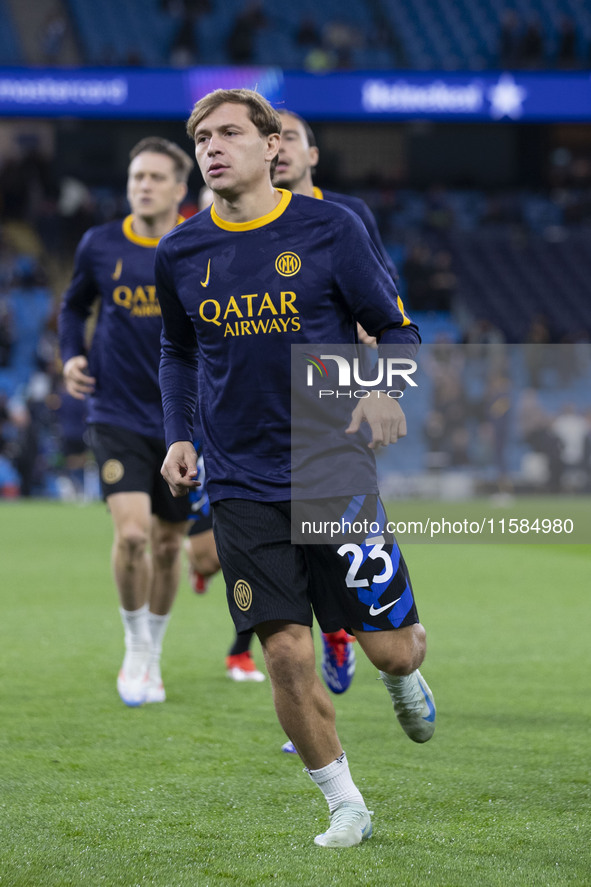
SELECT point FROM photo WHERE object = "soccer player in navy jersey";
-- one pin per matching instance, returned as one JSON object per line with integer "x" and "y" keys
{"x": 118, "y": 376}
{"x": 233, "y": 305}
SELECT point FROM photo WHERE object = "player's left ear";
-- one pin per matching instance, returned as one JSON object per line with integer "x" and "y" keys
{"x": 273, "y": 141}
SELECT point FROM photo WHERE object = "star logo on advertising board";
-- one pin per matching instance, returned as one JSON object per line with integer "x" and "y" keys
{"x": 506, "y": 98}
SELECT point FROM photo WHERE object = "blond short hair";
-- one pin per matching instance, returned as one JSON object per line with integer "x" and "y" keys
{"x": 183, "y": 163}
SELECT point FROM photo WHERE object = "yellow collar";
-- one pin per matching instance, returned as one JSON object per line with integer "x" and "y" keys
{"x": 255, "y": 223}
{"x": 136, "y": 238}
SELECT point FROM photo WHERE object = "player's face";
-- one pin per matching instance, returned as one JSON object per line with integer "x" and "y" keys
{"x": 152, "y": 186}
{"x": 231, "y": 153}
{"x": 296, "y": 157}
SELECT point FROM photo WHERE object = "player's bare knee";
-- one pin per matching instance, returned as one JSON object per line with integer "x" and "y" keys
{"x": 132, "y": 542}
{"x": 399, "y": 652}
{"x": 288, "y": 661}
{"x": 399, "y": 663}
{"x": 166, "y": 551}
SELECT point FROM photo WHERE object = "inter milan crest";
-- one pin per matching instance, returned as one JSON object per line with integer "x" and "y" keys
{"x": 287, "y": 264}
{"x": 243, "y": 595}
{"x": 112, "y": 471}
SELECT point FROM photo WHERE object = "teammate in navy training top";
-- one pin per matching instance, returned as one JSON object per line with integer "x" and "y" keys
{"x": 119, "y": 380}
{"x": 298, "y": 158}
{"x": 268, "y": 269}
{"x": 297, "y": 161}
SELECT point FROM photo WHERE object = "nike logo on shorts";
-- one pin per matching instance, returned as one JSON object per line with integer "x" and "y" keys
{"x": 375, "y": 611}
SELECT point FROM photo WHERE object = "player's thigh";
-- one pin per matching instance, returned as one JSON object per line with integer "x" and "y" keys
{"x": 266, "y": 576}
{"x": 131, "y": 513}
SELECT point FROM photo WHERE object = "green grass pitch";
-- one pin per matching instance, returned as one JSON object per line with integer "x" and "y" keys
{"x": 197, "y": 793}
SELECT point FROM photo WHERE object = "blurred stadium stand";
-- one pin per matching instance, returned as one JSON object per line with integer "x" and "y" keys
{"x": 379, "y": 34}
{"x": 481, "y": 260}
{"x": 115, "y": 33}
{"x": 10, "y": 44}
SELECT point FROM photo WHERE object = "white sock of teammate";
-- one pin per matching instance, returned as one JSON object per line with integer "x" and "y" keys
{"x": 336, "y": 784}
{"x": 137, "y": 640}
{"x": 158, "y": 626}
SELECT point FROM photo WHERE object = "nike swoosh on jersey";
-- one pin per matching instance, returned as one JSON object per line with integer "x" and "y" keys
{"x": 206, "y": 281}
{"x": 373, "y": 611}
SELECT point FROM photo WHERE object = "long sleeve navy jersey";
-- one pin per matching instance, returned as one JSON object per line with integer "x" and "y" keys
{"x": 116, "y": 265}
{"x": 235, "y": 297}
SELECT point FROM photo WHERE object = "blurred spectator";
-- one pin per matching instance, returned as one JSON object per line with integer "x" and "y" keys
{"x": 536, "y": 356}
{"x": 319, "y": 59}
{"x": 450, "y": 398}
{"x": 509, "y": 40}
{"x": 23, "y": 446}
{"x": 566, "y": 56}
{"x": 26, "y": 180}
{"x": 241, "y": 39}
{"x": 184, "y": 48}
{"x": 308, "y": 33}
{"x": 502, "y": 209}
{"x": 181, "y": 8}
{"x": 571, "y": 429}
{"x": 76, "y": 208}
{"x": 498, "y": 398}
{"x": 7, "y": 334}
{"x": 9, "y": 479}
{"x": 535, "y": 426}
{"x": 442, "y": 282}
{"x": 339, "y": 39}
{"x": 532, "y": 48}
{"x": 53, "y": 35}
{"x": 435, "y": 435}
{"x": 439, "y": 215}
{"x": 417, "y": 273}
{"x": 483, "y": 332}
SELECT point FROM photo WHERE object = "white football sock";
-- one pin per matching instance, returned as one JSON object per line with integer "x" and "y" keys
{"x": 158, "y": 626}
{"x": 336, "y": 784}
{"x": 137, "y": 630}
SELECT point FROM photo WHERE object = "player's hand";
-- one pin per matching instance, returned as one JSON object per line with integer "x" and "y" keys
{"x": 179, "y": 469}
{"x": 365, "y": 338}
{"x": 78, "y": 383}
{"x": 384, "y": 416}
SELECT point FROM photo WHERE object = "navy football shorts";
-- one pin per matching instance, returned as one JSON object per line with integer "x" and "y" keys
{"x": 363, "y": 584}
{"x": 130, "y": 463}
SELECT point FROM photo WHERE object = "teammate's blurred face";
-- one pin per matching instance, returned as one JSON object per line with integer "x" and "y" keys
{"x": 153, "y": 189}
{"x": 233, "y": 156}
{"x": 297, "y": 158}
